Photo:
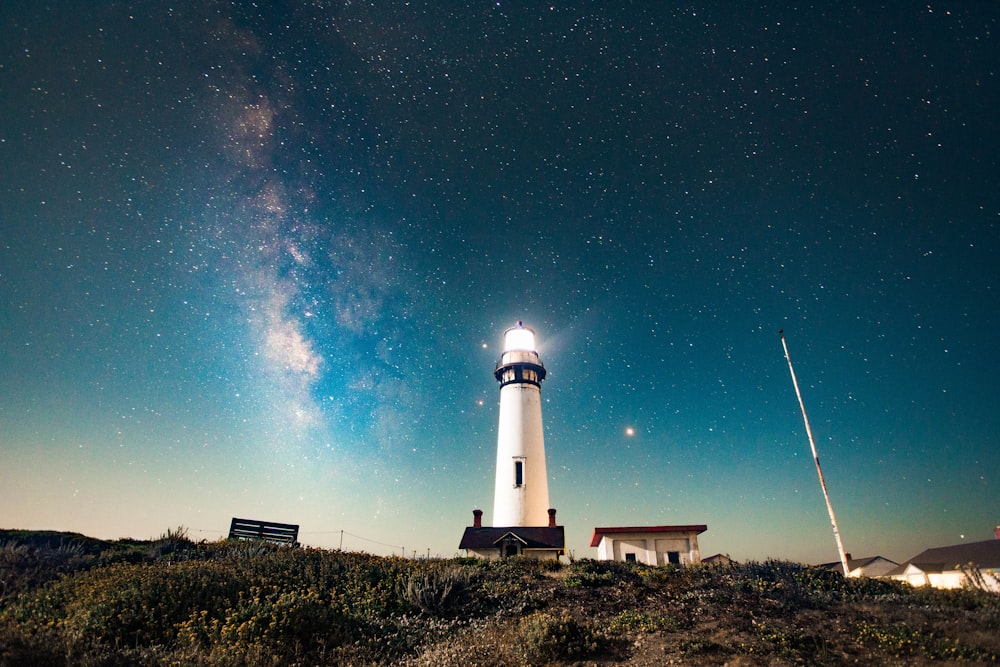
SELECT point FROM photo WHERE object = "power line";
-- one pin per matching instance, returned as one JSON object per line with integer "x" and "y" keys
{"x": 360, "y": 537}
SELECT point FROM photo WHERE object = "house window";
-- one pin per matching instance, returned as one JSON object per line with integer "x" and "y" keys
{"x": 629, "y": 558}
{"x": 519, "y": 473}
{"x": 674, "y": 557}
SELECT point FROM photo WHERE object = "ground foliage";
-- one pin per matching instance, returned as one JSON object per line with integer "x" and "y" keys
{"x": 70, "y": 600}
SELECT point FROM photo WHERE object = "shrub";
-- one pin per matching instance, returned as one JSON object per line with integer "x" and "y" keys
{"x": 173, "y": 544}
{"x": 270, "y": 621}
{"x": 902, "y": 641}
{"x": 434, "y": 591}
{"x": 550, "y": 565}
{"x": 25, "y": 566}
{"x": 125, "y": 605}
{"x": 594, "y": 573}
{"x": 791, "y": 586}
{"x": 968, "y": 598}
{"x": 638, "y": 621}
{"x": 979, "y": 579}
{"x": 80, "y": 602}
{"x": 543, "y": 638}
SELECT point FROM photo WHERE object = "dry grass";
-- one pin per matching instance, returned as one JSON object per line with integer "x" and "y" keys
{"x": 70, "y": 600}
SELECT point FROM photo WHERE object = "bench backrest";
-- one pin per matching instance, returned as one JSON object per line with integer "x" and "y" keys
{"x": 269, "y": 531}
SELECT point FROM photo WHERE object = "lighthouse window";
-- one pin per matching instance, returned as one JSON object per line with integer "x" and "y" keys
{"x": 518, "y": 473}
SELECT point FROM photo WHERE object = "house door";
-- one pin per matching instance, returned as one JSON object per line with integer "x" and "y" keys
{"x": 510, "y": 548}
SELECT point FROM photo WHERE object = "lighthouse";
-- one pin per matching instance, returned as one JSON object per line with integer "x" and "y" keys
{"x": 523, "y": 522}
{"x": 521, "y": 491}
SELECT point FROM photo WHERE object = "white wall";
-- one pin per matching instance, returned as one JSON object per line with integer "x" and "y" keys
{"x": 649, "y": 548}
{"x": 520, "y": 438}
{"x": 537, "y": 554}
{"x": 950, "y": 579}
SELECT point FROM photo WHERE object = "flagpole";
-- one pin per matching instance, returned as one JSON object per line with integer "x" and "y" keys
{"x": 812, "y": 445}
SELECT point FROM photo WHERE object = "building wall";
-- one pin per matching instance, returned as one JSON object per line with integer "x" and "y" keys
{"x": 682, "y": 546}
{"x": 537, "y": 554}
{"x": 650, "y": 548}
{"x": 637, "y": 546}
{"x": 520, "y": 439}
{"x": 950, "y": 579}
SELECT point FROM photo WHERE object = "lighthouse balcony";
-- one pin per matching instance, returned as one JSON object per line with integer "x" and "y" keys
{"x": 519, "y": 357}
{"x": 526, "y": 374}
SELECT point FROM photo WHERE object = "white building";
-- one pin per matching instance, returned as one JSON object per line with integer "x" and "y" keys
{"x": 869, "y": 566}
{"x": 540, "y": 542}
{"x": 524, "y": 524}
{"x": 521, "y": 490}
{"x": 652, "y": 545}
{"x": 949, "y": 567}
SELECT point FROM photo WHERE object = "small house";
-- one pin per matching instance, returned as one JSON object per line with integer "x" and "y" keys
{"x": 869, "y": 566}
{"x": 951, "y": 567}
{"x": 717, "y": 559}
{"x": 652, "y": 545}
{"x": 492, "y": 542}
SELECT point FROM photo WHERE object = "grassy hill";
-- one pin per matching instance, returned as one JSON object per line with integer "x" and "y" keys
{"x": 68, "y": 599}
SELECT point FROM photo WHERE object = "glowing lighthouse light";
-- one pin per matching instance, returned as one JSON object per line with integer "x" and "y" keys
{"x": 519, "y": 338}
{"x": 521, "y": 492}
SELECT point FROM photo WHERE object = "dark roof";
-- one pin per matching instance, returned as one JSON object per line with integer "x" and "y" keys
{"x": 532, "y": 537}
{"x": 855, "y": 563}
{"x": 598, "y": 532}
{"x": 716, "y": 558}
{"x": 985, "y": 554}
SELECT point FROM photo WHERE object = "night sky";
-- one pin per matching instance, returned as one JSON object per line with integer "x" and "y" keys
{"x": 257, "y": 261}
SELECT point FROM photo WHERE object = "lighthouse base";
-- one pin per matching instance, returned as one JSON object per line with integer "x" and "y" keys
{"x": 503, "y": 542}
{"x": 494, "y": 542}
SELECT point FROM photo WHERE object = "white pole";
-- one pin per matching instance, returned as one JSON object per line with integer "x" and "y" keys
{"x": 812, "y": 445}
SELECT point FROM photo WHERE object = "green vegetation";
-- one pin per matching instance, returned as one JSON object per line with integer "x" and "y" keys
{"x": 70, "y": 600}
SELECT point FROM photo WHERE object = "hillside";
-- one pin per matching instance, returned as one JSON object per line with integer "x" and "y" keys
{"x": 67, "y": 599}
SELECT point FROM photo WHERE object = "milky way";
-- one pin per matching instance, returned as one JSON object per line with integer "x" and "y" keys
{"x": 258, "y": 261}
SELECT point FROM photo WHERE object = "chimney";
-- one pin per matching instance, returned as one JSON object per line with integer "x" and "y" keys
{"x": 552, "y": 518}
{"x": 996, "y": 532}
{"x": 477, "y": 518}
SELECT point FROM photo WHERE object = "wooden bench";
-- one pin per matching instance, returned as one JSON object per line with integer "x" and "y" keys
{"x": 268, "y": 531}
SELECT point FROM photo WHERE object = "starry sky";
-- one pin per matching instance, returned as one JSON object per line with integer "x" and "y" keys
{"x": 256, "y": 259}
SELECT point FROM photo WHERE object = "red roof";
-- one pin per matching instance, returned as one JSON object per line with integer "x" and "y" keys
{"x": 599, "y": 532}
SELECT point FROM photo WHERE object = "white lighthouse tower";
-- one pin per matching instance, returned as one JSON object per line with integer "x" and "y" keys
{"x": 521, "y": 493}
{"x": 523, "y": 523}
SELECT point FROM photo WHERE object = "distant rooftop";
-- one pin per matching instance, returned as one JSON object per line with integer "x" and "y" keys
{"x": 985, "y": 554}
